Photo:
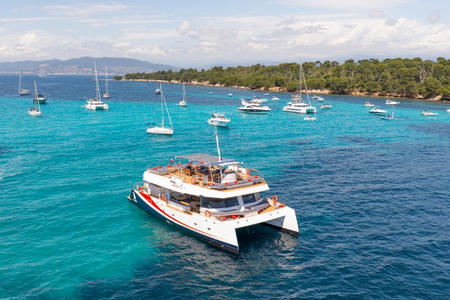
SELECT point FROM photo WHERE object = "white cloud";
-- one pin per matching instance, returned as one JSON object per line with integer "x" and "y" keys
{"x": 83, "y": 10}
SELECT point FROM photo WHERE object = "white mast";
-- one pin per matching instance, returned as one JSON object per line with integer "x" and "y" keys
{"x": 167, "y": 110}
{"x": 306, "y": 88}
{"x": 106, "y": 79}
{"x": 20, "y": 81}
{"x": 300, "y": 79}
{"x": 36, "y": 96}
{"x": 184, "y": 93}
{"x": 217, "y": 144}
{"x": 162, "y": 107}
{"x": 97, "y": 87}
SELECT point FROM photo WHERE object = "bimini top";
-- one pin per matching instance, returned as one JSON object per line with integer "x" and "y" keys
{"x": 209, "y": 159}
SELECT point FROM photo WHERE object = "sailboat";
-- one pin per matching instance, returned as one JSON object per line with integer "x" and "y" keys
{"x": 183, "y": 102}
{"x": 106, "y": 94}
{"x": 22, "y": 91}
{"x": 35, "y": 111}
{"x": 162, "y": 129}
{"x": 38, "y": 97}
{"x": 96, "y": 103}
{"x": 297, "y": 105}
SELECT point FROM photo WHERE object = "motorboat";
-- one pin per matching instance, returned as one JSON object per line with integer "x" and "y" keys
{"x": 106, "y": 94}
{"x": 429, "y": 113}
{"x": 183, "y": 101}
{"x": 318, "y": 98}
{"x": 448, "y": 109}
{"x": 368, "y": 104}
{"x": 218, "y": 119}
{"x": 391, "y": 102}
{"x": 230, "y": 95}
{"x": 254, "y": 108}
{"x": 22, "y": 91}
{"x": 35, "y": 111}
{"x": 157, "y": 91}
{"x": 162, "y": 129}
{"x": 96, "y": 103}
{"x": 266, "y": 94}
{"x": 309, "y": 118}
{"x": 296, "y": 105}
{"x": 326, "y": 106}
{"x": 257, "y": 100}
{"x": 377, "y": 110}
{"x": 275, "y": 98}
{"x": 388, "y": 117}
{"x": 212, "y": 197}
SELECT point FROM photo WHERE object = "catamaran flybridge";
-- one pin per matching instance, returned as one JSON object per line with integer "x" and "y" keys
{"x": 212, "y": 197}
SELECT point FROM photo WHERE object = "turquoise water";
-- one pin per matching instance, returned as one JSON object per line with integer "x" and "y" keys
{"x": 371, "y": 196}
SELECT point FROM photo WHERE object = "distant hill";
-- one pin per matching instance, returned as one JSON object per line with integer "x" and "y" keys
{"x": 83, "y": 66}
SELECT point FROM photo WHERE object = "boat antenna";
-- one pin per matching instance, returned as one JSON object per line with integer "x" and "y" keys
{"x": 217, "y": 144}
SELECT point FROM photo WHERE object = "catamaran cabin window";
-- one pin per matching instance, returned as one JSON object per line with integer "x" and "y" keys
{"x": 219, "y": 203}
{"x": 252, "y": 198}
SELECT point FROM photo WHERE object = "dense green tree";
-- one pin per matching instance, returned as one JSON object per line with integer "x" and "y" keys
{"x": 402, "y": 76}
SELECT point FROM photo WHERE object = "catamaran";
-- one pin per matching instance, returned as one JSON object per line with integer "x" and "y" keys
{"x": 162, "y": 129}
{"x": 183, "y": 101}
{"x": 22, "y": 91}
{"x": 35, "y": 111}
{"x": 106, "y": 94}
{"x": 96, "y": 103}
{"x": 212, "y": 197}
{"x": 297, "y": 105}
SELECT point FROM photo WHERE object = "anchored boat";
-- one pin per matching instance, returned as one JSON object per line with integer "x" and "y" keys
{"x": 212, "y": 197}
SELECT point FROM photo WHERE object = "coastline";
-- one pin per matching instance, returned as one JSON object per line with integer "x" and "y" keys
{"x": 312, "y": 91}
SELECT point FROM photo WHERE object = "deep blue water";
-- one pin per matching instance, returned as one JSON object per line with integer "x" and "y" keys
{"x": 371, "y": 196}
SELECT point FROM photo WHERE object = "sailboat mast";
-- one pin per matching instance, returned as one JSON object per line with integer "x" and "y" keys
{"x": 300, "y": 77}
{"x": 106, "y": 79}
{"x": 306, "y": 88}
{"x": 184, "y": 93}
{"x": 20, "y": 81}
{"x": 162, "y": 106}
{"x": 97, "y": 87}
{"x": 36, "y": 96}
{"x": 217, "y": 145}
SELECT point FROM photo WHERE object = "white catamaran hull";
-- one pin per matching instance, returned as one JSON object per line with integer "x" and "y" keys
{"x": 300, "y": 110}
{"x": 96, "y": 106}
{"x": 219, "y": 233}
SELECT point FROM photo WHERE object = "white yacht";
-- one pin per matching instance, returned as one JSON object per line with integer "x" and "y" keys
{"x": 183, "y": 101}
{"x": 318, "y": 98}
{"x": 297, "y": 105}
{"x": 326, "y": 106}
{"x": 391, "y": 102}
{"x": 368, "y": 104}
{"x": 218, "y": 119}
{"x": 254, "y": 108}
{"x": 275, "y": 98}
{"x": 96, "y": 103}
{"x": 212, "y": 197}
{"x": 106, "y": 94}
{"x": 448, "y": 109}
{"x": 257, "y": 100}
{"x": 35, "y": 111}
{"x": 157, "y": 91}
{"x": 162, "y": 129}
{"x": 230, "y": 95}
{"x": 22, "y": 91}
{"x": 377, "y": 110}
{"x": 429, "y": 113}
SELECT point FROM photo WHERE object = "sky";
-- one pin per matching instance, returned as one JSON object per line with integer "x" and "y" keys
{"x": 205, "y": 33}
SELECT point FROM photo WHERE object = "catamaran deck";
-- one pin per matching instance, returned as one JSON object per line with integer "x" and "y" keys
{"x": 208, "y": 172}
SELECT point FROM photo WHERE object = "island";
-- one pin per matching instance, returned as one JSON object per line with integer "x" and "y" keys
{"x": 399, "y": 77}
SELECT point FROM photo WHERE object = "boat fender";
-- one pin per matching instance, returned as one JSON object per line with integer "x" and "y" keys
{"x": 207, "y": 213}
{"x": 275, "y": 200}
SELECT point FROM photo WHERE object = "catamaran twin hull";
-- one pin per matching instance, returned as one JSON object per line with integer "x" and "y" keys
{"x": 218, "y": 232}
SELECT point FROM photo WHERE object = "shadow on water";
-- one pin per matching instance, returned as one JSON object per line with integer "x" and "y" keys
{"x": 355, "y": 139}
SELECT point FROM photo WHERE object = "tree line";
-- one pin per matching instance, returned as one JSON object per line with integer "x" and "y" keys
{"x": 400, "y": 76}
